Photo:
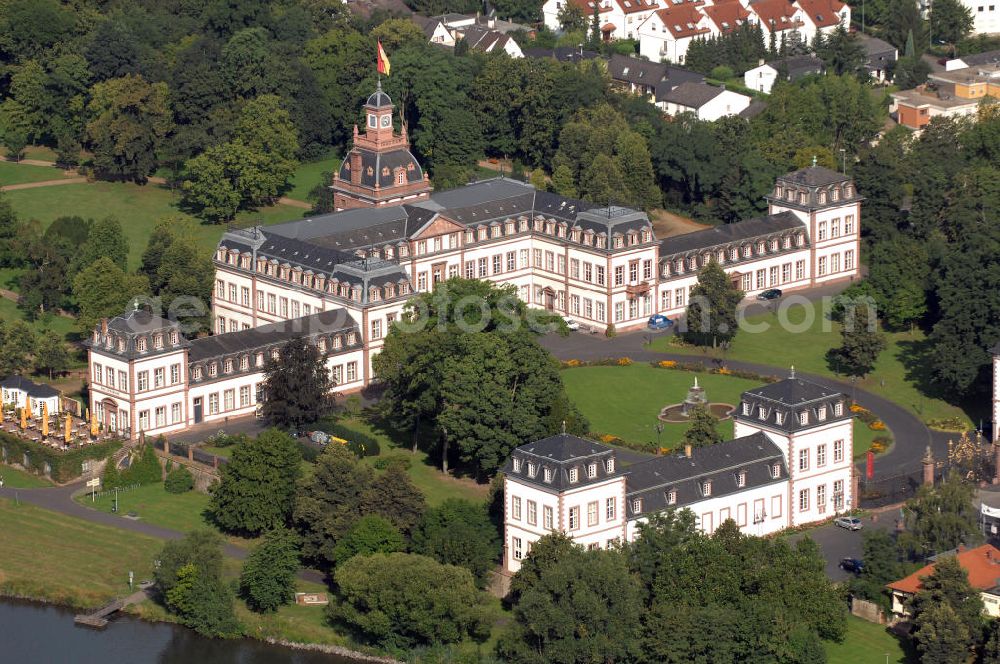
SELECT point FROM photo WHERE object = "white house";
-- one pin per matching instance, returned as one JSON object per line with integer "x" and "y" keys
{"x": 782, "y": 18}
{"x": 823, "y": 16}
{"x": 20, "y": 392}
{"x": 666, "y": 34}
{"x": 437, "y": 32}
{"x": 708, "y": 102}
{"x": 763, "y": 77}
{"x": 789, "y": 464}
{"x": 985, "y": 16}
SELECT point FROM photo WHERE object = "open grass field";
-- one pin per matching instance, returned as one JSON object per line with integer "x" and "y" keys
{"x": 901, "y": 373}
{"x": 183, "y": 512}
{"x": 436, "y": 486}
{"x": 308, "y": 175}
{"x": 11, "y": 173}
{"x": 625, "y": 401}
{"x": 50, "y": 556}
{"x": 866, "y": 643}
{"x": 137, "y": 207}
{"x": 18, "y": 479}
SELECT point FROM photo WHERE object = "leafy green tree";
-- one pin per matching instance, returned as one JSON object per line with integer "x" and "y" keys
{"x": 395, "y": 33}
{"x": 369, "y": 534}
{"x": 393, "y": 496}
{"x": 572, "y": 605}
{"x": 256, "y": 489}
{"x": 266, "y": 128}
{"x": 268, "y": 577}
{"x": 461, "y": 533}
{"x": 201, "y": 548}
{"x": 702, "y": 430}
{"x": 940, "y": 518}
{"x": 711, "y": 311}
{"x": 562, "y": 181}
{"x": 214, "y": 181}
{"x": 910, "y": 71}
{"x": 185, "y": 274}
{"x": 106, "y": 239}
{"x": 948, "y": 614}
{"x": 950, "y": 21}
{"x": 882, "y": 566}
{"x": 250, "y": 64}
{"x": 900, "y": 274}
{"x": 51, "y": 354}
{"x": 129, "y": 120}
{"x": 296, "y": 385}
{"x": 900, "y": 19}
{"x": 330, "y": 501}
{"x": 990, "y": 653}
{"x": 842, "y": 52}
{"x": 114, "y": 50}
{"x": 32, "y": 27}
{"x": 179, "y": 480}
{"x": 103, "y": 290}
{"x": 571, "y": 18}
{"x": 861, "y": 342}
{"x": 144, "y": 467}
{"x": 402, "y": 600}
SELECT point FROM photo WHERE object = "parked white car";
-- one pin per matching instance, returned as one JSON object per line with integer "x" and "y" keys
{"x": 571, "y": 324}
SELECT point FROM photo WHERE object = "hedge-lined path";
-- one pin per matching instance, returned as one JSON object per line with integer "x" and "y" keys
{"x": 60, "y": 499}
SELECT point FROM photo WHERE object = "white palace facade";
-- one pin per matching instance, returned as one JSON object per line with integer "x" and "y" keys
{"x": 790, "y": 464}
{"x": 343, "y": 278}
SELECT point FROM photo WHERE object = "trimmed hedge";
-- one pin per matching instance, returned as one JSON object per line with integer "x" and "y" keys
{"x": 64, "y": 465}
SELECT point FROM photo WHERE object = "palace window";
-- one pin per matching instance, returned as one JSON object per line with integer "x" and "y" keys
{"x": 609, "y": 465}
{"x": 671, "y": 496}
{"x": 838, "y": 451}
{"x": 637, "y": 506}
{"x": 820, "y": 456}
{"x": 573, "y": 474}
{"x": 546, "y": 517}
{"x": 515, "y": 508}
{"x": 804, "y": 500}
{"x": 532, "y": 469}
{"x": 140, "y": 344}
{"x": 741, "y": 479}
{"x": 591, "y": 470}
{"x": 532, "y": 512}
{"x": 804, "y": 417}
{"x": 159, "y": 377}
{"x": 516, "y": 547}
{"x": 547, "y": 474}
{"x": 775, "y": 470}
{"x": 838, "y": 409}
{"x": 574, "y": 517}
{"x": 803, "y": 459}
{"x": 706, "y": 488}
{"x": 592, "y": 509}
{"x": 517, "y": 465}
{"x": 610, "y": 509}
{"x": 821, "y": 413}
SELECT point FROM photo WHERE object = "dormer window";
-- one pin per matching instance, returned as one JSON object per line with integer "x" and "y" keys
{"x": 532, "y": 469}
{"x": 140, "y": 344}
{"x": 228, "y": 366}
{"x": 804, "y": 417}
{"x": 775, "y": 470}
{"x": 517, "y": 465}
{"x": 672, "y": 497}
{"x": 838, "y": 409}
{"x": 706, "y": 488}
{"x": 609, "y": 465}
{"x": 197, "y": 373}
{"x": 212, "y": 369}
{"x": 779, "y": 417}
{"x": 821, "y": 413}
{"x": 573, "y": 474}
{"x": 761, "y": 413}
{"x": 158, "y": 341}
{"x": 741, "y": 479}
{"x": 173, "y": 338}
{"x": 637, "y": 506}
{"x": 547, "y": 474}
{"x": 746, "y": 408}
{"x": 591, "y": 471}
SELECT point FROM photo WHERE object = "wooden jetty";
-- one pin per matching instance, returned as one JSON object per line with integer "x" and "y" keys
{"x": 98, "y": 619}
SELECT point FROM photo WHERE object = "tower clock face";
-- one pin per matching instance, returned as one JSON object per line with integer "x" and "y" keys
{"x": 386, "y": 121}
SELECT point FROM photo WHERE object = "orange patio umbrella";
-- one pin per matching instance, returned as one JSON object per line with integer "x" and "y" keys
{"x": 93, "y": 425}
{"x": 66, "y": 430}
{"x": 45, "y": 419}
{"x": 24, "y": 417}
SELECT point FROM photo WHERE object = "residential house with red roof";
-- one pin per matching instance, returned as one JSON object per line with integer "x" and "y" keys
{"x": 783, "y": 18}
{"x": 619, "y": 19}
{"x": 823, "y": 16}
{"x": 667, "y": 33}
{"x": 726, "y": 15}
{"x": 983, "y": 567}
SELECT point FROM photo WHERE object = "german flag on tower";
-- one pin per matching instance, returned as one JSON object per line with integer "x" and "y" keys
{"x": 383, "y": 60}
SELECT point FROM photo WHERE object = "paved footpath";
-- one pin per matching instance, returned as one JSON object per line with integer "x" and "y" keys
{"x": 60, "y": 499}
{"x": 909, "y": 432}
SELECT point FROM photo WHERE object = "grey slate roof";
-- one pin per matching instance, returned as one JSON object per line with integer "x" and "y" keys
{"x": 789, "y": 398}
{"x": 985, "y": 58}
{"x": 561, "y": 53}
{"x": 691, "y": 94}
{"x": 373, "y": 163}
{"x": 558, "y": 454}
{"x": 815, "y": 176}
{"x": 31, "y": 388}
{"x": 720, "y": 464}
{"x": 128, "y": 328}
{"x": 724, "y": 234}
{"x": 797, "y": 66}
{"x": 755, "y": 108}
{"x": 273, "y": 334}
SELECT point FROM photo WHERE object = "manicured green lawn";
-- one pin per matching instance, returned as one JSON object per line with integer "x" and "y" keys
{"x": 137, "y": 207}
{"x": 11, "y": 173}
{"x": 308, "y": 175}
{"x": 901, "y": 373}
{"x": 18, "y": 479}
{"x": 865, "y": 643}
{"x": 183, "y": 512}
{"x": 435, "y": 485}
{"x": 48, "y": 555}
{"x": 625, "y": 401}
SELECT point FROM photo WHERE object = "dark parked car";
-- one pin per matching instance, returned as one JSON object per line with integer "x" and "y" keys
{"x": 769, "y": 294}
{"x": 852, "y": 565}
{"x": 660, "y": 322}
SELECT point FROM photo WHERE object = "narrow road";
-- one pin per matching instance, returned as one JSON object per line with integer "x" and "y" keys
{"x": 43, "y": 183}
{"x": 60, "y": 499}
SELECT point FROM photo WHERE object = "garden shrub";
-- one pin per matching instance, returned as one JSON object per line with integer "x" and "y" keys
{"x": 179, "y": 480}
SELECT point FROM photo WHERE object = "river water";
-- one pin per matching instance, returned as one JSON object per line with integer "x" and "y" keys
{"x": 36, "y": 633}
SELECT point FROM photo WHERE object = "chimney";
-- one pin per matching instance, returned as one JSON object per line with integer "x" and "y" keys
{"x": 760, "y": 62}
{"x": 356, "y": 167}
{"x": 687, "y": 450}
{"x": 104, "y": 326}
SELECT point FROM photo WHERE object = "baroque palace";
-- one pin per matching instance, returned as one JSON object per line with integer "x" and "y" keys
{"x": 343, "y": 278}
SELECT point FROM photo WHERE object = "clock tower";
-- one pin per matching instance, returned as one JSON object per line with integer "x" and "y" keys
{"x": 379, "y": 170}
